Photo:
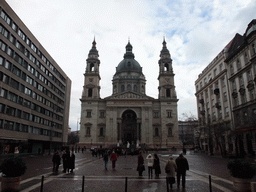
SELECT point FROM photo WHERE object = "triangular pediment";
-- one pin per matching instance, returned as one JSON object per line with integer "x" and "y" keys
{"x": 129, "y": 95}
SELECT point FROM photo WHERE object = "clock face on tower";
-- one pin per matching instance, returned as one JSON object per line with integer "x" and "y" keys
{"x": 167, "y": 80}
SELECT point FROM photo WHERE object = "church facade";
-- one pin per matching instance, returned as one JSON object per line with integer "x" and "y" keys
{"x": 129, "y": 116}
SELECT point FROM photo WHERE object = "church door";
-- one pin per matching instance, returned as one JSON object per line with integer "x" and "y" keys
{"x": 129, "y": 127}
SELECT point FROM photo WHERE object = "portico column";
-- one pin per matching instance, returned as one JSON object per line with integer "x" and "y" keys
{"x": 119, "y": 131}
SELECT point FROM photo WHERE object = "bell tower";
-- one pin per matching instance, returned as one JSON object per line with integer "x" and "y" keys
{"x": 166, "y": 76}
{"x": 91, "y": 88}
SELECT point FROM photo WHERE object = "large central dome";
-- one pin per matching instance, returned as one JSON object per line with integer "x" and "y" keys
{"x": 128, "y": 64}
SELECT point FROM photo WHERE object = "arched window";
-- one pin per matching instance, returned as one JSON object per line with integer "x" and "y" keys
{"x": 166, "y": 67}
{"x": 168, "y": 93}
{"x": 122, "y": 88}
{"x": 90, "y": 92}
{"x": 135, "y": 88}
{"x": 91, "y": 67}
{"x": 129, "y": 87}
{"x": 156, "y": 132}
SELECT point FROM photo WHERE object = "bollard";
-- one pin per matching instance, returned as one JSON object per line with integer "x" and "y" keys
{"x": 83, "y": 184}
{"x": 125, "y": 184}
{"x": 42, "y": 184}
{"x": 167, "y": 185}
{"x": 210, "y": 183}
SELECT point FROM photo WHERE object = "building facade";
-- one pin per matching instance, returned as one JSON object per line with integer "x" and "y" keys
{"x": 213, "y": 106}
{"x": 241, "y": 65}
{"x": 129, "y": 117}
{"x": 34, "y": 91}
{"x": 225, "y": 94}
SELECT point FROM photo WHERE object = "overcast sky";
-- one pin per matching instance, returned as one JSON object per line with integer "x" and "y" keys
{"x": 195, "y": 32}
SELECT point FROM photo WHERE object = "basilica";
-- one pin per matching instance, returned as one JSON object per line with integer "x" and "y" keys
{"x": 129, "y": 116}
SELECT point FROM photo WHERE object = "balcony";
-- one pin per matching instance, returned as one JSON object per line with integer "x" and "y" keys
{"x": 217, "y": 91}
{"x": 202, "y": 112}
{"x": 234, "y": 94}
{"x": 217, "y": 105}
{"x": 201, "y": 101}
{"x": 250, "y": 85}
{"x": 242, "y": 90}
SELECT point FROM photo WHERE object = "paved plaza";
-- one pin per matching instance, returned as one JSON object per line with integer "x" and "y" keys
{"x": 97, "y": 179}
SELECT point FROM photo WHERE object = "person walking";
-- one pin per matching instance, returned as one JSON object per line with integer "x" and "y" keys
{"x": 71, "y": 162}
{"x": 182, "y": 167}
{"x": 113, "y": 158}
{"x": 105, "y": 159}
{"x": 170, "y": 169}
{"x": 140, "y": 167}
{"x": 65, "y": 159}
{"x": 156, "y": 166}
{"x": 56, "y": 161}
{"x": 150, "y": 159}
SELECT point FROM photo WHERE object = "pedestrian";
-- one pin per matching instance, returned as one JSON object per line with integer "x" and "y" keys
{"x": 150, "y": 159}
{"x": 156, "y": 166}
{"x": 65, "y": 159}
{"x": 56, "y": 162}
{"x": 82, "y": 150}
{"x": 170, "y": 169}
{"x": 105, "y": 159}
{"x": 140, "y": 167}
{"x": 71, "y": 165}
{"x": 113, "y": 158}
{"x": 182, "y": 167}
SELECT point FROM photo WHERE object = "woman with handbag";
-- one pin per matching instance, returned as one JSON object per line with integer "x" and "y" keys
{"x": 170, "y": 169}
{"x": 141, "y": 166}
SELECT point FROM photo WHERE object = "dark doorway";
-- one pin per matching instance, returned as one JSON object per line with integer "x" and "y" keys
{"x": 129, "y": 127}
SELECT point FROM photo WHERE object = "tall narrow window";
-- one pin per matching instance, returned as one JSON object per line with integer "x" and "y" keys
{"x": 156, "y": 132}
{"x": 168, "y": 93}
{"x": 170, "y": 132}
{"x": 91, "y": 67}
{"x": 135, "y": 88}
{"x": 166, "y": 67}
{"x": 122, "y": 88}
{"x": 90, "y": 92}
{"x": 238, "y": 64}
{"x": 101, "y": 132}
{"x": 88, "y": 131}
{"x": 253, "y": 49}
{"x": 231, "y": 69}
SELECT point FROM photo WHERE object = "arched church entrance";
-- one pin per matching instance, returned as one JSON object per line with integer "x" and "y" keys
{"x": 129, "y": 127}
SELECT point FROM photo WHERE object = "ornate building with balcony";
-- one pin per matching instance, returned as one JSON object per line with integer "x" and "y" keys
{"x": 241, "y": 65}
{"x": 225, "y": 92}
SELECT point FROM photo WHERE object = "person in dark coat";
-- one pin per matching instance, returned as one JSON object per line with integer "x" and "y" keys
{"x": 56, "y": 161}
{"x": 65, "y": 159}
{"x": 156, "y": 165}
{"x": 182, "y": 167}
{"x": 71, "y": 165}
{"x": 141, "y": 166}
{"x": 105, "y": 159}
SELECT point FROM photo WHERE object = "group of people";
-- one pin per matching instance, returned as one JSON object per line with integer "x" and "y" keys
{"x": 153, "y": 163}
{"x": 180, "y": 165}
{"x": 68, "y": 161}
